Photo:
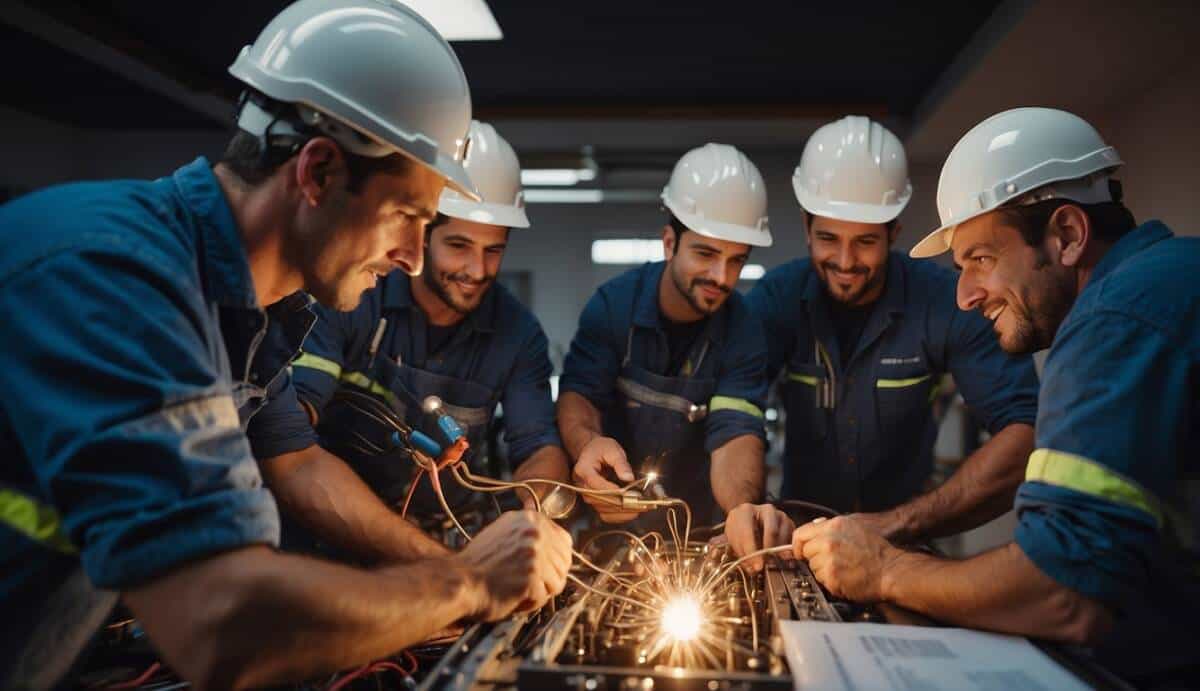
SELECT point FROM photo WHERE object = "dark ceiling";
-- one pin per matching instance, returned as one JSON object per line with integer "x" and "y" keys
{"x": 631, "y": 58}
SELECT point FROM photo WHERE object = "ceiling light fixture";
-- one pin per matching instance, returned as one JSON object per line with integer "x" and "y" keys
{"x": 459, "y": 20}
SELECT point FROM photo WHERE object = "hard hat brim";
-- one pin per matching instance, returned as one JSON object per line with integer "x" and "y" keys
{"x": 455, "y": 206}
{"x": 932, "y": 244}
{"x": 719, "y": 230}
{"x": 455, "y": 175}
{"x": 848, "y": 211}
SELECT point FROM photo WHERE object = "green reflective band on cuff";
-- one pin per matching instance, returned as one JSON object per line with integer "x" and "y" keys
{"x": 320, "y": 364}
{"x": 739, "y": 404}
{"x": 34, "y": 520}
{"x": 1089, "y": 477}
{"x": 362, "y": 381}
{"x": 899, "y": 383}
{"x": 803, "y": 378}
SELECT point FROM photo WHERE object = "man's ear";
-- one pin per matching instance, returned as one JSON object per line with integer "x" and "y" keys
{"x": 320, "y": 165}
{"x": 893, "y": 233}
{"x": 1071, "y": 230}
{"x": 668, "y": 239}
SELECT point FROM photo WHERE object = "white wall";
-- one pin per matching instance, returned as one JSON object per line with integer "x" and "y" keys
{"x": 1157, "y": 133}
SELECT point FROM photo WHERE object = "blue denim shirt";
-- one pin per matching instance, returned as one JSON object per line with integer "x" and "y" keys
{"x": 141, "y": 379}
{"x": 1105, "y": 507}
{"x": 735, "y": 358}
{"x": 500, "y": 345}
{"x": 874, "y": 449}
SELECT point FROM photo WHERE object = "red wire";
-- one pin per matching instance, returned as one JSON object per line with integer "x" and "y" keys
{"x": 412, "y": 489}
{"x": 142, "y": 679}
{"x": 375, "y": 668}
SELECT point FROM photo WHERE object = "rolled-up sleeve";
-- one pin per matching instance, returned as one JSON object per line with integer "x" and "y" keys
{"x": 529, "y": 420}
{"x": 281, "y": 426}
{"x": 736, "y": 409}
{"x": 115, "y": 396}
{"x": 594, "y": 359}
{"x": 1109, "y": 437}
{"x": 999, "y": 389}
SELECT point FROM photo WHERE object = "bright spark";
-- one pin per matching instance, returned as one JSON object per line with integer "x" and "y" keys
{"x": 682, "y": 617}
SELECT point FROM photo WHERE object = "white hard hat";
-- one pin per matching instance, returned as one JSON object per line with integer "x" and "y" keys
{"x": 493, "y": 167}
{"x": 373, "y": 75}
{"x": 716, "y": 191}
{"x": 1049, "y": 153}
{"x": 853, "y": 169}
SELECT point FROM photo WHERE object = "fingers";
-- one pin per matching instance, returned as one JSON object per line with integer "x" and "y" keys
{"x": 803, "y": 535}
{"x": 776, "y": 526}
{"x": 619, "y": 464}
{"x": 587, "y": 471}
{"x": 741, "y": 530}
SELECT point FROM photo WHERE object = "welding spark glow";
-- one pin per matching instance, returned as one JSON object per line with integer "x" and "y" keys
{"x": 682, "y": 618}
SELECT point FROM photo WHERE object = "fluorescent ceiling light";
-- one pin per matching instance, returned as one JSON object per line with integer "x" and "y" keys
{"x": 459, "y": 20}
{"x": 542, "y": 195}
{"x": 536, "y": 196}
{"x": 752, "y": 272}
{"x": 626, "y": 251}
{"x": 556, "y": 177}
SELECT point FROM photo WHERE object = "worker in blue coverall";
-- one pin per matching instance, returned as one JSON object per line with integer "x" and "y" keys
{"x": 862, "y": 336}
{"x": 666, "y": 372}
{"x": 1105, "y": 550}
{"x": 149, "y": 327}
{"x": 451, "y": 332}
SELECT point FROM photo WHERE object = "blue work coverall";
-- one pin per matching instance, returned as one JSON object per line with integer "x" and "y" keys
{"x": 497, "y": 356}
{"x": 142, "y": 380}
{"x": 668, "y": 421}
{"x": 860, "y": 429}
{"x": 1110, "y": 506}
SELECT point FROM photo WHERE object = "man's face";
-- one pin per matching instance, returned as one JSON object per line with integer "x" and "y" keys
{"x": 850, "y": 258}
{"x": 462, "y": 260}
{"x": 704, "y": 270}
{"x": 1023, "y": 290}
{"x": 351, "y": 240}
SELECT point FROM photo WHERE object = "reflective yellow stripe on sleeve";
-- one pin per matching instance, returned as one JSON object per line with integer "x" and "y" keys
{"x": 899, "y": 383}
{"x": 318, "y": 363}
{"x": 1084, "y": 475}
{"x": 729, "y": 403}
{"x": 362, "y": 381}
{"x": 802, "y": 378}
{"x": 34, "y": 520}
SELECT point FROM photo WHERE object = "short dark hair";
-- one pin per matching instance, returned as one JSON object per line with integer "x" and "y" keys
{"x": 1109, "y": 220}
{"x": 808, "y": 217}
{"x": 677, "y": 226}
{"x": 254, "y": 159}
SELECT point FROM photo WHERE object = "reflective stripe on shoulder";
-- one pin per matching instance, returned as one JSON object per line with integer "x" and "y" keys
{"x": 34, "y": 520}
{"x": 899, "y": 383}
{"x": 729, "y": 403}
{"x": 1084, "y": 475}
{"x": 362, "y": 381}
{"x": 318, "y": 363}
{"x": 803, "y": 378}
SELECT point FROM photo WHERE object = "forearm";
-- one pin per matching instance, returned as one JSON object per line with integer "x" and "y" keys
{"x": 982, "y": 489}
{"x": 322, "y": 492}
{"x": 578, "y": 422}
{"x": 254, "y": 617}
{"x": 547, "y": 463}
{"x": 1001, "y": 590}
{"x": 738, "y": 475}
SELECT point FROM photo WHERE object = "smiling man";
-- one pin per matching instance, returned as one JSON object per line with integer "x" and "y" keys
{"x": 665, "y": 373}
{"x": 450, "y": 332}
{"x": 862, "y": 337}
{"x": 1105, "y": 550}
{"x": 149, "y": 331}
